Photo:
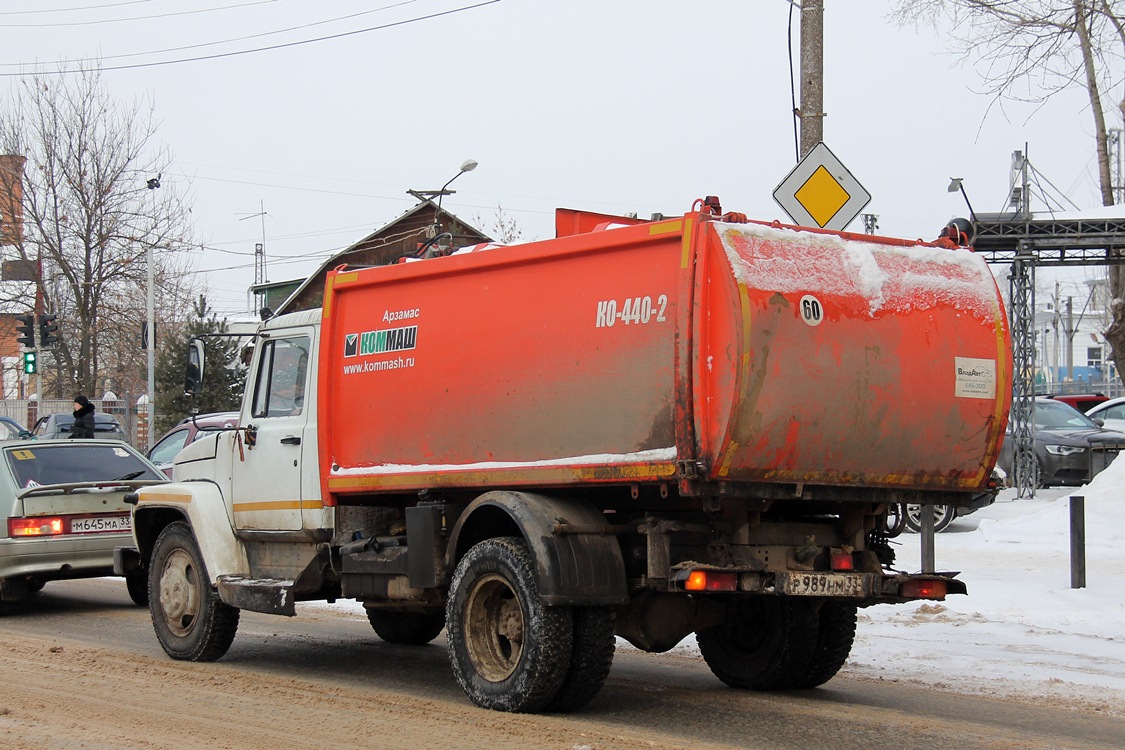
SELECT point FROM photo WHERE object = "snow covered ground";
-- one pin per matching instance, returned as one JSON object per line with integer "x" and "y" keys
{"x": 1022, "y": 631}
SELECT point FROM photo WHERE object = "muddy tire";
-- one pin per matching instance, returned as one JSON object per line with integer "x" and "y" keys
{"x": 406, "y": 628}
{"x": 509, "y": 652}
{"x": 763, "y": 642}
{"x": 137, "y": 586}
{"x": 590, "y": 659}
{"x": 943, "y": 516}
{"x": 190, "y": 621}
{"x": 834, "y": 640}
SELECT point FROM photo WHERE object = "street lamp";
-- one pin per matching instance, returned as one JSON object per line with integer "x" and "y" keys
{"x": 954, "y": 186}
{"x": 153, "y": 183}
{"x": 428, "y": 195}
{"x": 467, "y": 166}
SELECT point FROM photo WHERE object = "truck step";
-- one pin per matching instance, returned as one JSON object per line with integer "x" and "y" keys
{"x": 270, "y": 595}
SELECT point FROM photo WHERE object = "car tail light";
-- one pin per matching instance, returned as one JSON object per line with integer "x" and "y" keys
{"x": 38, "y": 526}
{"x": 711, "y": 580}
{"x": 924, "y": 589}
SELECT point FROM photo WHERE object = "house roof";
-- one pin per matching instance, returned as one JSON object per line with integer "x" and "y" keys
{"x": 332, "y": 262}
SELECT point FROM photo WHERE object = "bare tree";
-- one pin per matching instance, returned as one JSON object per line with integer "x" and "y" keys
{"x": 90, "y": 216}
{"x": 1029, "y": 50}
{"x": 505, "y": 229}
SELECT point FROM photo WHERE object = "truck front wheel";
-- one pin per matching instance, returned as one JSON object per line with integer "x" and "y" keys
{"x": 763, "y": 642}
{"x": 509, "y": 651}
{"x": 191, "y": 623}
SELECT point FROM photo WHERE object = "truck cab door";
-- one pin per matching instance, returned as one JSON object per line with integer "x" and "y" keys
{"x": 266, "y": 488}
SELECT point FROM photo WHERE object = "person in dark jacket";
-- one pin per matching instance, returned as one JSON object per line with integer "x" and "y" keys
{"x": 83, "y": 418}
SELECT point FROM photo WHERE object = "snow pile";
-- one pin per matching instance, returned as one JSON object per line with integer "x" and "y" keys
{"x": 1022, "y": 630}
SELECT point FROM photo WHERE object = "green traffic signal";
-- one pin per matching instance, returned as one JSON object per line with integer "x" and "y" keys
{"x": 30, "y": 363}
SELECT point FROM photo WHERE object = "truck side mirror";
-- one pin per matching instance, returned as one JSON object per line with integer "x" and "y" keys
{"x": 193, "y": 376}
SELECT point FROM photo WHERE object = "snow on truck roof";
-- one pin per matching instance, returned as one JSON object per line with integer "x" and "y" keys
{"x": 892, "y": 277}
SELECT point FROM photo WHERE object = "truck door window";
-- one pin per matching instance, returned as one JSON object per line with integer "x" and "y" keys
{"x": 280, "y": 387}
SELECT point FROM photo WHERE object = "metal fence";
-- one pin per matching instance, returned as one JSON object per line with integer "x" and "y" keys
{"x": 1111, "y": 389}
{"x": 29, "y": 411}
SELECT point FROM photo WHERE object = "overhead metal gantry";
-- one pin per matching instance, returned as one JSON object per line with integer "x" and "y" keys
{"x": 1025, "y": 241}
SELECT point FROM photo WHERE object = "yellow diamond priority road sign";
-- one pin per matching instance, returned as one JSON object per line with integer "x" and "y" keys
{"x": 821, "y": 192}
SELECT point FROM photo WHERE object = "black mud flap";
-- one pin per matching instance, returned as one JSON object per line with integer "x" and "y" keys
{"x": 273, "y": 596}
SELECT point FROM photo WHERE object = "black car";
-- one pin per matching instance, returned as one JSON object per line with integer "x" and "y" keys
{"x": 1069, "y": 448}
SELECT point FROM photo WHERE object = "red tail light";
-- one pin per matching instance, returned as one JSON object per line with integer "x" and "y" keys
{"x": 842, "y": 560}
{"x": 711, "y": 580}
{"x": 40, "y": 526}
{"x": 923, "y": 589}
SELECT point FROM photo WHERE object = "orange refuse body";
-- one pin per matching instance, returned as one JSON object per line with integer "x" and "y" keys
{"x": 682, "y": 349}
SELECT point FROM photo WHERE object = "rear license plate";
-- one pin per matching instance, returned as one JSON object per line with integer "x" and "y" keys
{"x": 96, "y": 524}
{"x": 822, "y": 584}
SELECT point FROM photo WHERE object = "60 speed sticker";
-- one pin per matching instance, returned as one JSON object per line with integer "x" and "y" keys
{"x": 812, "y": 312}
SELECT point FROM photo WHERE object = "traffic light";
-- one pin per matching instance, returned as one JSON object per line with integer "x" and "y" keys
{"x": 26, "y": 330}
{"x": 48, "y": 331}
{"x": 30, "y": 363}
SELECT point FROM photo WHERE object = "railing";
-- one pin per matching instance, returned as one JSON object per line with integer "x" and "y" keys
{"x": 1111, "y": 389}
{"x": 28, "y": 411}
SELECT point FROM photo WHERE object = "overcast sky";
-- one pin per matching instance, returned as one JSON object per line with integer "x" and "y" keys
{"x": 628, "y": 105}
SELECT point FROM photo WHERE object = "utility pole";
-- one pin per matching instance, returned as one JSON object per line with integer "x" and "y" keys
{"x": 812, "y": 74}
{"x": 151, "y": 185}
{"x": 1070, "y": 339}
{"x": 259, "y": 259}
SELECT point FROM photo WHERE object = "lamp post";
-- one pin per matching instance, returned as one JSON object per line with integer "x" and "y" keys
{"x": 428, "y": 195}
{"x": 467, "y": 166}
{"x": 954, "y": 186}
{"x": 150, "y": 340}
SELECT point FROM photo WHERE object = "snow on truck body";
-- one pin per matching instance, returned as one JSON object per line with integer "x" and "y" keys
{"x": 641, "y": 428}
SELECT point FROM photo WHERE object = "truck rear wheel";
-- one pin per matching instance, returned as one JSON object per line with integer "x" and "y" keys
{"x": 833, "y": 645}
{"x": 191, "y": 623}
{"x": 590, "y": 660}
{"x": 763, "y": 642}
{"x": 406, "y": 628}
{"x": 509, "y": 651}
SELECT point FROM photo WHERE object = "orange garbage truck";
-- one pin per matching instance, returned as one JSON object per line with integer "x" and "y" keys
{"x": 638, "y": 429}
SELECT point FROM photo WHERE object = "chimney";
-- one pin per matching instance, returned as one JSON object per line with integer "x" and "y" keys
{"x": 11, "y": 199}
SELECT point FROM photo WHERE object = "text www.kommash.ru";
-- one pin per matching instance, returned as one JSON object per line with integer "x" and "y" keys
{"x": 386, "y": 364}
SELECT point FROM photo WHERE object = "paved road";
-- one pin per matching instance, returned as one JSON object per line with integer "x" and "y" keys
{"x": 81, "y": 668}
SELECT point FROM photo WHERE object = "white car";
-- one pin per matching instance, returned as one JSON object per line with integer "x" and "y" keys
{"x": 64, "y": 512}
{"x": 1112, "y": 414}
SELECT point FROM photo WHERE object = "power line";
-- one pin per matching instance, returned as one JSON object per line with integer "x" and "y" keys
{"x": 81, "y": 61}
{"x": 238, "y": 53}
{"x": 135, "y": 18}
{"x": 69, "y": 10}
